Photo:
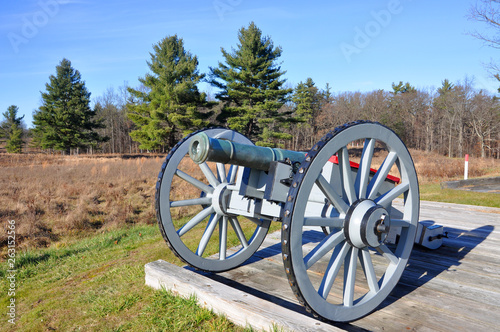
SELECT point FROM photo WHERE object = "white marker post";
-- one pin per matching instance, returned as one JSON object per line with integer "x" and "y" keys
{"x": 466, "y": 168}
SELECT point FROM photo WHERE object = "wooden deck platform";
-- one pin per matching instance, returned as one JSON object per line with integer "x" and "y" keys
{"x": 453, "y": 288}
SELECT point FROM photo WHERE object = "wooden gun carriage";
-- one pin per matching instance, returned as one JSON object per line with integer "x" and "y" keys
{"x": 364, "y": 214}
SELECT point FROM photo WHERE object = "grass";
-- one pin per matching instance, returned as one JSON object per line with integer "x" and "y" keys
{"x": 433, "y": 192}
{"x": 97, "y": 283}
{"x": 85, "y": 227}
{"x": 432, "y": 169}
{"x": 52, "y": 199}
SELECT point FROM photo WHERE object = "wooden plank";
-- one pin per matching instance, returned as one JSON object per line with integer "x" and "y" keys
{"x": 449, "y": 257}
{"x": 435, "y": 302}
{"x": 456, "y": 274}
{"x": 240, "y": 307}
{"x": 482, "y": 296}
{"x": 418, "y": 316}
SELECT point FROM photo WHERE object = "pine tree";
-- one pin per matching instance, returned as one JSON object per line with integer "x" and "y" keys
{"x": 402, "y": 88}
{"x": 445, "y": 87}
{"x": 251, "y": 85}
{"x": 307, "y": 99}
{"x": 65, "y": 120}
{"x": 398, "y": 116}
{"x": 11, "y": 130}
{"x": 15, "y": 142}
{"x": 169, "y": 102}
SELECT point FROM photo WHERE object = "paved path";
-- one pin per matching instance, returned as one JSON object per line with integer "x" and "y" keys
{"x": 484, "y": 185}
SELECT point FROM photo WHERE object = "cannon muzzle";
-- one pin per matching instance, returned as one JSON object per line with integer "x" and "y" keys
{"x": 204, "y": 148}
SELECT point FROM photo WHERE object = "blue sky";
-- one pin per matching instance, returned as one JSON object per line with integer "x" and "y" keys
{"x": 352, "y": 45}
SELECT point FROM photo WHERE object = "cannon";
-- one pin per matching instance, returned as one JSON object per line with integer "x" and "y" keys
{"x": 348, "y": 211}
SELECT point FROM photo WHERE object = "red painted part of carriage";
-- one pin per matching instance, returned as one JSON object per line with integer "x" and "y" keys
{"x": 335, "y": 160}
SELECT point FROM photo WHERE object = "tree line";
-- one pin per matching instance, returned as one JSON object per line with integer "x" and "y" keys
{"x": 253, "y": 98}
{"x": 451, "y": 120}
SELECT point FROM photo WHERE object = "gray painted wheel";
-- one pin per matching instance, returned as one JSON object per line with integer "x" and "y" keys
{"x": 191, "y": 205}
{"x": 346, "y": 274}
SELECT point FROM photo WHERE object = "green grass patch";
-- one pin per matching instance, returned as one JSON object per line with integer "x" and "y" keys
{"x": 433, "y": 192}
{"x": 98, "y": 284}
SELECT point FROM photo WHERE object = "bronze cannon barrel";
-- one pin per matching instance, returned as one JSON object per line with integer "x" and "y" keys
{"x": 203, "y": 148}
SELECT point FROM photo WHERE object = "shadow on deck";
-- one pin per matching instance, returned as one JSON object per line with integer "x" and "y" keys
{"x": 424, "y": 265}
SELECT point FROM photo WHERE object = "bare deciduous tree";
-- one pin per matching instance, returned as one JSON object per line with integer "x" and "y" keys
{"x": 453, "y": 120}
{"x": 111, "y": 107}
{"x": 484, "y": 120}
{"x": 487, "y": 11}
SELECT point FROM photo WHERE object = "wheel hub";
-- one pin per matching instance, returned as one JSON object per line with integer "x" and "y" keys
{"x": 367, "y": 224}
{"x": 220, "y": 199}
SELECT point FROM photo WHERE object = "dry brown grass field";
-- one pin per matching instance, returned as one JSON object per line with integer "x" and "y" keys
{"x": 433, "y": 168}
{"x": 54, "y": 197}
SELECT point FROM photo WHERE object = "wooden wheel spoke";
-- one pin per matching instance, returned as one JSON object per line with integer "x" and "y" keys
{"x": 367, "y": 265}
{"x": 363, "y": 174}
{"x": 324, "y": 222}
{"x": 193, "y": 201}
{"x": 386, "y": 199}
{"x": 350, "y": 276}
{"x": 233, "y": 170}
{"x": 197, "y": 183}
{"x": 381, "y": 175}
{"x": 388, "y": 254}
{"x": 222, "y": 238}
{"x": 239, "y": 232}
{"x": 209, "y": 230}
{"x": 333, "y": 269}
{"x": 331, "y": 195}
{"x": 209, "y": 175}
{"x": 345, "y": 170}
{"x": 328, "y": 243}
{"x": 195, "y": 220}
{"x": 221, "y": 173}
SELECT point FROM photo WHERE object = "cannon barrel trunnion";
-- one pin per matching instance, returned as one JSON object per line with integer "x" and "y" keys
{"x": 356, "y": 190}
